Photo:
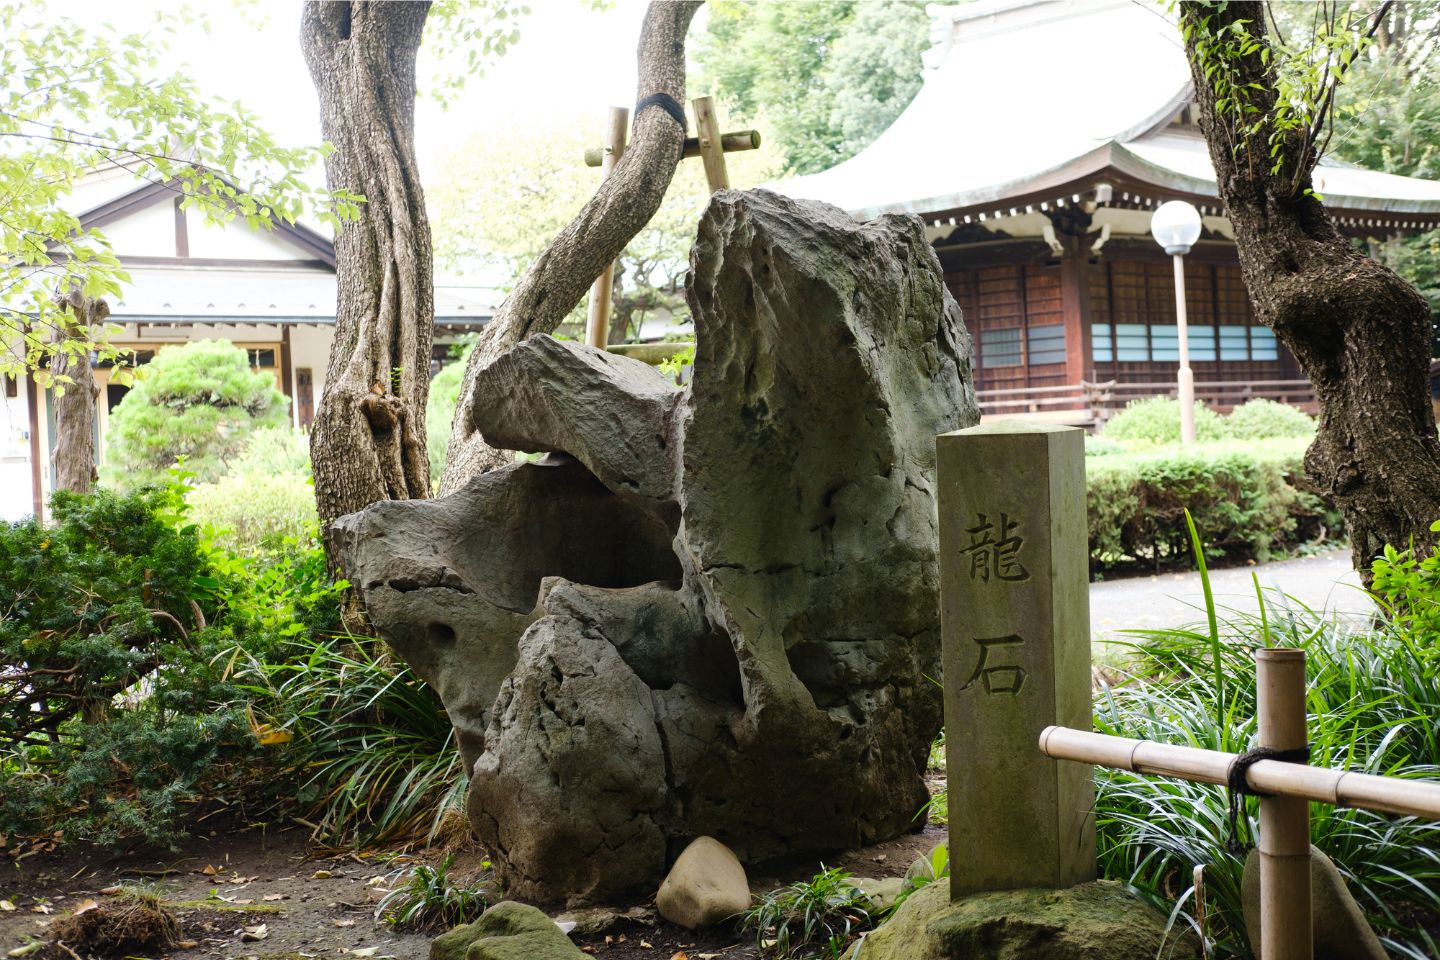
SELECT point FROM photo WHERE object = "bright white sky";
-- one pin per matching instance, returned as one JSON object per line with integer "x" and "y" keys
{"x": 571, "y": 61}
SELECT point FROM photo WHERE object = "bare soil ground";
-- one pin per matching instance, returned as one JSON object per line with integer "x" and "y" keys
{"x": 263, "y": 894}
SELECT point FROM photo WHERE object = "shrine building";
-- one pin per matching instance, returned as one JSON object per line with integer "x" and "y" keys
{"x": 1045, "y": 135}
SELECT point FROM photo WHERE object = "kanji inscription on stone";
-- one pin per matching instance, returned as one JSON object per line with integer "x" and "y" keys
{"x": 997, "y": 677}
{"x": 1015, "y": 619}
{"x": 995, "y": 549}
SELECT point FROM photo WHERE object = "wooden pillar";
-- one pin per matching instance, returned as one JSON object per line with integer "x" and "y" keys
{"x": 37, "y": 485}
{"x": 1286, "y": 932}
{"x": 1015, "y": 628}
{"x": 1075, "y": 307}
{"x": 287, "y": 383}
{"x": 597, "y": 324}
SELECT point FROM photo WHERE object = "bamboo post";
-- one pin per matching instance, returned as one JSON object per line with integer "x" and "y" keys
{"x": 1285, "y": 924}
{"x": 712, "y": 151}
{"x": 733, "y": 142}
{"x": 597, "y": 324}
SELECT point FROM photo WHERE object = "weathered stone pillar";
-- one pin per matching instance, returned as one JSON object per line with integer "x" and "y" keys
{"x": 1015, "y": 619}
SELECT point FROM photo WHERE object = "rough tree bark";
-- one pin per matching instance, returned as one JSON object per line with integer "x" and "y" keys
{"x": 74, "y": 454}
{"x": 368, "y": 440}
{"x": 1360, "y": 332}
{"x": 622, "y": 206}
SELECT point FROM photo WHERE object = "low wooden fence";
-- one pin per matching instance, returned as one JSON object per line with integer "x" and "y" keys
{"x": 1087, "y": 404}
{"x": 1285, "y": 788}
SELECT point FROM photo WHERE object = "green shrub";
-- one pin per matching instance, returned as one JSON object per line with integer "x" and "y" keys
{"x": 815, "y": 918}
{"x": 1267, "y": 420}
{"x": 1409, "y": 588}
{"x": 1098, "y": 446}
{"x": 252, "y": 513}
{"x": 1157, "y": 420}
{"x": 114, "y": 704}
{"x": 1371, "y": 697}
{"x": 1248, "y": 500}
{"x": 199, "y": 401}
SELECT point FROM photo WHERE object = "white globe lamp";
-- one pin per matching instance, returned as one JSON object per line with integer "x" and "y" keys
{"x": 1176, "y": 226}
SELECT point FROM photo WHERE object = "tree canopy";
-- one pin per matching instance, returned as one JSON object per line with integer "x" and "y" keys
{"x": 828, "y": 77}
{"x": 77, "y": 101}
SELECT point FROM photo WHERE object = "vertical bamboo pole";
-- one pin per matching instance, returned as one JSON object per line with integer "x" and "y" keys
{"x": 1285, "y": 924}
{"x": 712, "y": 151}
{"x": 597, "y": 324}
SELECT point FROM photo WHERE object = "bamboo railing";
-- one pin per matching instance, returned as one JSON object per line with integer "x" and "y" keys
{"x": 1285, "y": 791}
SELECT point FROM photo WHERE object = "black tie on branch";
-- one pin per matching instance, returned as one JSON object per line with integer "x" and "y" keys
{"x": 667, "y": 103}
{"x": 1238, "y": 787}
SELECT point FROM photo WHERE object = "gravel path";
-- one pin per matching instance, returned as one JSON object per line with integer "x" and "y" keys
{"x": 1322, "y": 582}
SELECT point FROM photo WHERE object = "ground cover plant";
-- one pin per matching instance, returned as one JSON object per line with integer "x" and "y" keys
{"x": 1372, "y": 696}
{"x": 812, "y": 918}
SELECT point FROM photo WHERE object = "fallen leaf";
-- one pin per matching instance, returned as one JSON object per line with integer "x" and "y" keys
{"x": 252, "y": 934}
{"x": 375, "y": 881}
{"x": 646, "y": 945}
{"x": 276, "y": 896}
{"x": 244, "y": 903}
{"x": 86, "y": 906}
{"x": 112, "y": 891}
{"x": 321, "y": 875}
{"x": 26, "y": 950}
{"x": 363, "y": 951}
{"x": 187, "y": 944}
{"x": 42, "y": 908}
{"x": 344, "y": 923}
{"x": 679, "y": 955}
{"x": 210, "y": 870}
{"x": 7, "y": 906}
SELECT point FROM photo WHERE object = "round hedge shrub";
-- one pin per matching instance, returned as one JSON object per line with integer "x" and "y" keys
{"x": 1157, "y": 420}
{"x": 1267, "y": 420}
{"x": 200, "y": 401}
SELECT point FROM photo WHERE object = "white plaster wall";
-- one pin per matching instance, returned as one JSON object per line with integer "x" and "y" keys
{"x": 146, "y": 233}
{"x": 15, "y": 492}
{"x": 237, "y": 240}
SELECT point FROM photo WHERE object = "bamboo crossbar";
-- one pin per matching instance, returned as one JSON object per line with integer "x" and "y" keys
{"x": 729, "y": 142}
{"x": 1415, "y": 798}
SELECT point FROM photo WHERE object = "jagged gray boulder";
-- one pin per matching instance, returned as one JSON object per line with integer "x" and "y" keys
{"x": 707, "y": 611}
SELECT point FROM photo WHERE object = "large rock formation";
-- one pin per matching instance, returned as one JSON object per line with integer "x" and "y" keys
{"x": 708, "y": 611}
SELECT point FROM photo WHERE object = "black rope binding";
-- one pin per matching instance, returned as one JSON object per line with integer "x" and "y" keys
{"x": 1236, "y": 784}
{"x": 667, "y": 103}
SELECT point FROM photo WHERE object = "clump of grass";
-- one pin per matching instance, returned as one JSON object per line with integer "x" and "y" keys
{"x": 427, "y": 900}
{"x": 1371, "y": 699}
{"x": 814, "y": 918}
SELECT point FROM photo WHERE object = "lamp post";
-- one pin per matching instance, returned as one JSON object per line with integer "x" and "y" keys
{"x": 1176, "y": 227}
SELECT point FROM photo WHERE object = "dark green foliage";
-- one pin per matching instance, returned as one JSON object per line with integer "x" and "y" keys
{"x": 199, "y": 401}
{"x": 1248, "y": 500}
{"x": 372, "y": 749}
{"x": 427, "y": 900}
{"x": 815, "y": 918}
{"x": 1372, "y": 699}
{"x": 829, "y": 77}
{"x": 115, "y": 702}
{"x": 1409, "y": 587}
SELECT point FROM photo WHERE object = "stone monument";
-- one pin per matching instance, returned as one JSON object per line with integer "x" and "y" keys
{"x": 709, "y": 611}
{"x": 1014, "y": 570}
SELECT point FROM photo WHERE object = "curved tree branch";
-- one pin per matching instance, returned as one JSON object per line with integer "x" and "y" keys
{"x": 620, "y": 209}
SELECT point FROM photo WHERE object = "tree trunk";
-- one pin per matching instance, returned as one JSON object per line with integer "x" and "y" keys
{"x": 1360, "y": 332}
{"x": 368, "y": 440}
{"x": 74, "y": 455}
{"x": 620, "y": 209}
